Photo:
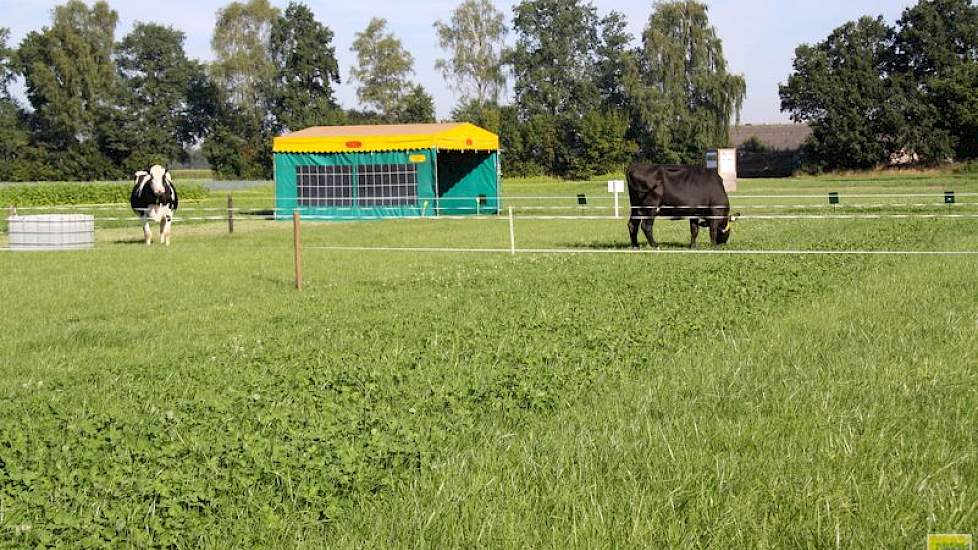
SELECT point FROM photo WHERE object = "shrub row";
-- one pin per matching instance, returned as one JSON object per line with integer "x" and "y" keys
{"x": 66, "y": 194}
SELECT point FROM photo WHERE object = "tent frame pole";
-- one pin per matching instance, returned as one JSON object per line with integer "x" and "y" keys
{"x": 499, "y": 183}
{"x": 437, "y": 186}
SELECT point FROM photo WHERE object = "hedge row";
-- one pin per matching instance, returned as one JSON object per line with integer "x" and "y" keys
{"x": 67, "y": 194}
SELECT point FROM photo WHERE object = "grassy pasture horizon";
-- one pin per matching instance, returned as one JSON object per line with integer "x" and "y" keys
{"x": 189, "y": 397}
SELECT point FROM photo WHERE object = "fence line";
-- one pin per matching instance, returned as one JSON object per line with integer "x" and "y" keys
{"x": 596, "y": 251}
{"x": 494, "y": 217}
{"x": 653, "y": 252}
{"x": 263, "y": 211}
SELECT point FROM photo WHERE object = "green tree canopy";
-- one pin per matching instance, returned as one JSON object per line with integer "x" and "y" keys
{"x": 70, "y": 76}
{"x": 937, "y": 45}
{"x": 157, "y": 79}
{"x": 682, "y": 96}
{"x": 838, "y": 87}
{"x": 382, "y": 70}
{"x": 416, "y": 107}
{"x": 14, "y": 138}
{"x": 305, "y": 62}
{"x": 554, "y": 57}
{"x": 561, "y": 125}
{"x": 615, "y": 59}
{"x": 239, "y": 144}
{"x": 72, "y": 86}
{"x": 475, "y": 39}
{"x": 6, "y": 64}
{"x": 243, "y": 64}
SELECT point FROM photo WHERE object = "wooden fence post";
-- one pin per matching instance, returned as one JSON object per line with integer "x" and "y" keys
{"x": 512, "y": 232}
{"x": 230, "y": 214}
{"x": 297, "y": 237}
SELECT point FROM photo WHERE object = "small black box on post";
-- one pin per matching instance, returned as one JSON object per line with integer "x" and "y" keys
{"x": 833, "y": 198}
{"x": 949, "y": 197}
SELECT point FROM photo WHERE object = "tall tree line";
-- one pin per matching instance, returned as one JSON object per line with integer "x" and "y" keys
{"x": 588, "y": 96}
{"x": 588, "y": 101}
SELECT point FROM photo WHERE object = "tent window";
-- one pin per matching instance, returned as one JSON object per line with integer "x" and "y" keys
{"x": 387, "y": 185}
{"x": 330, "y": 186}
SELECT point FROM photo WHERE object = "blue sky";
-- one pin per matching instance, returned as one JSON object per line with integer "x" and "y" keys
{"x": 759, "y": 36}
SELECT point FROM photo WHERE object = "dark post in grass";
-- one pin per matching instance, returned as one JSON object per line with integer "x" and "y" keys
{"x": 297, "y": 238}
{"x": 230, "y": 214}
{"x": 833, "y": 200}
{"x": 582, "y": 202}
{"x": 949, "y": 200}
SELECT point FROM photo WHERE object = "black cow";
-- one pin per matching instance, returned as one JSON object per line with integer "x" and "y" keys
{"x": 678, "y": 192}
{"x": 154, "y": 198}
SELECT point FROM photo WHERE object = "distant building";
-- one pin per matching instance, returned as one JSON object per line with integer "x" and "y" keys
{"x": 779, "y": 153}
{"x": 779, "y": 137}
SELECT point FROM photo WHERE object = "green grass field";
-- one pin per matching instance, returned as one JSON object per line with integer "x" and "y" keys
{"x": 190, "y": 397}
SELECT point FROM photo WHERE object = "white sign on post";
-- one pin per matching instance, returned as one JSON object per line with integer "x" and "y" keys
{"x": 616, "y": 187}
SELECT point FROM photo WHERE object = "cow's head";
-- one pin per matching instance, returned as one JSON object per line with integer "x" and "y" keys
{"x": 726, "y": 228}
{"x": 158, "y": 176}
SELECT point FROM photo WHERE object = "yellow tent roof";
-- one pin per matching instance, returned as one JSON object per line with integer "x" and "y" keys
{"x": 453, "y": 136}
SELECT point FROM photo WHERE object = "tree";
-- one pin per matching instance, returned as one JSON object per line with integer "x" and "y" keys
{"x": 306, "y": 68}
{"x": 870, "y": 98}
{"x": 243, "y": 64}
{"x": 937, "y": 44}
{"x": 157, "y": 79}
{"x": 554, "y": 57}
{"x": 556, "y": 86}
{"x": 615, "y": 59}
{"x": 382, "y": 69}
{"x": 72, "y": 85}
{"x": 598, "y": 144}
{"x": 239, "y": 144}
{"x": 482, "y": 115}
{"x": 6, "y": 64}
{"x": 682, "y": 96}
{"x": 416, "y": 107}
{"x": 935, "y": 36}
{"x": 475, "y": 38}
{"x": 838, "y": 88}
{"x": 14, "y": 138}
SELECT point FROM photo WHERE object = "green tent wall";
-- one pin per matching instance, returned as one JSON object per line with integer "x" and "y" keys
{"x": 450, "y": 183}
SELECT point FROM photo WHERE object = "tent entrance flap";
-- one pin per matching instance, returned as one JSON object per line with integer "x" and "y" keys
{"x": 467, "y": 182}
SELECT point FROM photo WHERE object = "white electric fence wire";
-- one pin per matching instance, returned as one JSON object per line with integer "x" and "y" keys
{"x": 666, "y": 217}
{"x": 653, "y": 252}
{"x": 585, "y": 251}
{"x": 267, "y": 211}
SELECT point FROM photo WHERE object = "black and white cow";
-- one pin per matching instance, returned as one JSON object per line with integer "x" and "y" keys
{"x": 154, "y": 199}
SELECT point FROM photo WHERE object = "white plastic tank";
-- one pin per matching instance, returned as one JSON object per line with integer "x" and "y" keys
{"x": 52, "y": 232}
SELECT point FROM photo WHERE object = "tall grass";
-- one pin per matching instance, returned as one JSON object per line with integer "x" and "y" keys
{"x": 189, "y": 397}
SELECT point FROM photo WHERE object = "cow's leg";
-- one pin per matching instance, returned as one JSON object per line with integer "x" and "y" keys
{"x": 633, "y": 224}
{"x": 647, "y": 222}
{"x": 714, "y": 232}
{"x": 694, "y": 231}
{"x": 169, "y": 229}
{"x": 147, "y": 233}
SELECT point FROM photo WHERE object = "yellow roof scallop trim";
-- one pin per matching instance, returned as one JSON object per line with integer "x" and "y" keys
{"x": 405, "y": 137}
